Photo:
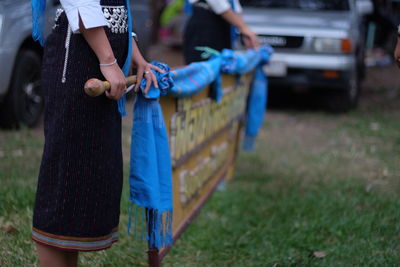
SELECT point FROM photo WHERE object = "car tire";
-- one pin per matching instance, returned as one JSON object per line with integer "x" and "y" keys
{"x": 361, "y": 67}
{"x": 345, "y": 99}
{"x": 24, "y": 102}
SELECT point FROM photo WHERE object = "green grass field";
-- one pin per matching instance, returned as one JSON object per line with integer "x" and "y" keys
{"x": 320, "y": 190}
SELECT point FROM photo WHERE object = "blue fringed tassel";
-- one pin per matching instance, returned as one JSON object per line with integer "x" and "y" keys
{"x": 135, "y": 222}
{"x": 130, "y": 217}
{"x": 155, "y": 226}
{"x": 248, "y": 143}
{"x": 143, "y": 230}
{"x": 38, "y": 9}
{"x": 160, "y": 229}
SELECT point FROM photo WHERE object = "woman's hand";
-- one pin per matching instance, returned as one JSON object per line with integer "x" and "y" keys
{"x": 250, "y": 38}
{"x": 116, "y": 78}
{"x": 98, "y": 41}
{"x": 144, "y": 69}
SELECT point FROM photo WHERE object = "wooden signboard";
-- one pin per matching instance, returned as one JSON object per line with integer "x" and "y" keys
{"x": 203, "y": 137}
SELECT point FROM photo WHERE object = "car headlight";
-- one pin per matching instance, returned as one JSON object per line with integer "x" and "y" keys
{"x": 332, "y": 45}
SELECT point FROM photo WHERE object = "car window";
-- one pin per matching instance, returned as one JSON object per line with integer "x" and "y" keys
{"x": 338, "y": 5}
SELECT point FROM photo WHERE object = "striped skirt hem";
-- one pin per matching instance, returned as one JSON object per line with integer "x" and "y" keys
{"x": 75, "y": 243}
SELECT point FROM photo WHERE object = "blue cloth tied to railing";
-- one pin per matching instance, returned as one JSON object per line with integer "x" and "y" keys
{"x": 151, "y": 168}
{"x": 195, "y": 77}
{"x": 235, "y": 63}
{"x": 245, "y": 62}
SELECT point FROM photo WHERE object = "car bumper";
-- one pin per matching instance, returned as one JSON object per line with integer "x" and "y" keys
{"x": 317, "y": 71}
{"x": 309, "y": 78}
{"x": 6, "y": 67}
{"x": 315, "y": 61}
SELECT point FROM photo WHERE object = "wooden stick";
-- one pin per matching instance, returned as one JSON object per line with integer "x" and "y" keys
{"x": 95, "y": 87}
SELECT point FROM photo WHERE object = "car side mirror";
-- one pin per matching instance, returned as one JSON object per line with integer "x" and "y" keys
{"x": 364, "y": 7}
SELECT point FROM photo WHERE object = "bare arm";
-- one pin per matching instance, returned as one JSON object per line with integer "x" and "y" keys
{"x": 98, "y": 41}
{"x": 235, "y": 19}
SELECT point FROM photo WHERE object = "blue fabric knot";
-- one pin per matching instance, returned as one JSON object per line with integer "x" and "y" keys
{"x": 229, "y": 61}
{"x": 193, "y": 78}
{"x": 266, "y": 51}
{"x": 244, "y": 62}
{"x": 165, "y": 82}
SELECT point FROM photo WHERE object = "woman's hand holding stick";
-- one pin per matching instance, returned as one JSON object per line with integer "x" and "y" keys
{"x": 95, "y": 87}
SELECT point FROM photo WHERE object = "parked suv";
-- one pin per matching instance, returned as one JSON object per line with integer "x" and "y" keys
{"x": 21, "y": 96}
{"x": 318, "y": 44}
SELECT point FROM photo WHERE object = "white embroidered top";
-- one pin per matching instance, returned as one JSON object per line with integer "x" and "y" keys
{"x": 221, "y": 6}
{"x": 89, "y": 11}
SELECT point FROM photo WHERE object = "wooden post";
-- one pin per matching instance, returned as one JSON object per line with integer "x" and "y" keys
{"x": 154, "y": 259}
{"x": 153, "y": 256}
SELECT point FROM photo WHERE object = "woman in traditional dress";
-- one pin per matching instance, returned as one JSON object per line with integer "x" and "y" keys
{"x": 211, "y": 25}
{"x": 78, "y": 197}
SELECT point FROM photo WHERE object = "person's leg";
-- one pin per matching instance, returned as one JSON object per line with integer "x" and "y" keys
{"x": 72, "y": 259}
{"x": 52, "y": 257}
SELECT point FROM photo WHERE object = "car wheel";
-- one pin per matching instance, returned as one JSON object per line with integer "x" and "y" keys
{"x": 361, "y": 63}
{"x": 347, "y": 98}
{"x": 24, "y": 102}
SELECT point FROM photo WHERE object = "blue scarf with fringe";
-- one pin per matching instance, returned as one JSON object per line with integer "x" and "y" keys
{"x": 240, "y": 63}
{"x": 150, "y": 175}
{"x": 151, "y": 199}
{"x": 38, "y": 12}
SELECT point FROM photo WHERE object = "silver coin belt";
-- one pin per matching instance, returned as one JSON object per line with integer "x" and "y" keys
{"x": 116, "y": 18}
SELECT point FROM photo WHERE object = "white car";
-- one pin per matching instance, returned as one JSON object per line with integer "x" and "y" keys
{"x": 318, "y": 44}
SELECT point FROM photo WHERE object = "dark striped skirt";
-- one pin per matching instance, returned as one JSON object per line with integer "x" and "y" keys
{"x": 79, "y": 189}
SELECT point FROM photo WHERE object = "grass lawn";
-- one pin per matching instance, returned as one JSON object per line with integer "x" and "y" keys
{"x": 320, "y": 190}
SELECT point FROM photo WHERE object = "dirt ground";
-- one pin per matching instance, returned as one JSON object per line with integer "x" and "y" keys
{"x": 381, "y": 88}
